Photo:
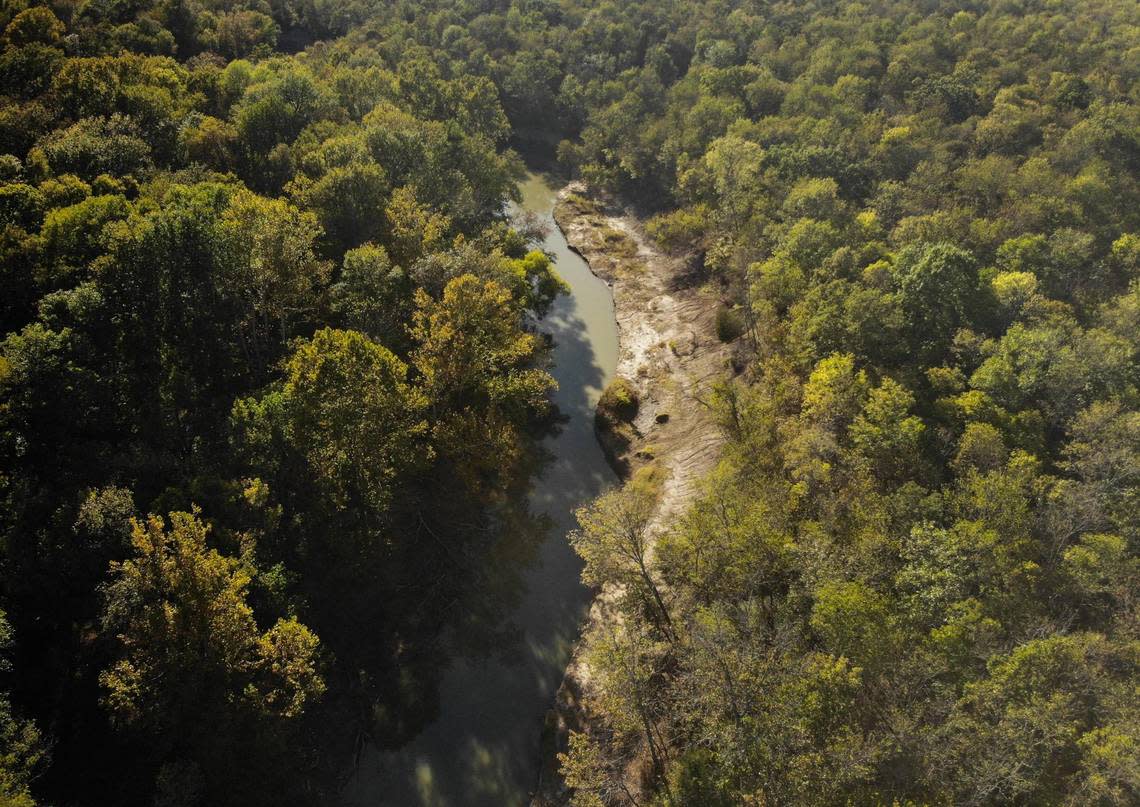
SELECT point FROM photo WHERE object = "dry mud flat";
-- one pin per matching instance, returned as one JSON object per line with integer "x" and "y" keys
{"x": 670, "y": 356}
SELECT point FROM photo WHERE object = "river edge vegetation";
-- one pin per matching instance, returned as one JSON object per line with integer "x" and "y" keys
{"x": 912, "y": 579}
{"x": 271, "y": 395}
{"x": 262, "y": 306}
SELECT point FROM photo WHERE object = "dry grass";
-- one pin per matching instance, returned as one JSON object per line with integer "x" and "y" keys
{"x": 617, "y": 243}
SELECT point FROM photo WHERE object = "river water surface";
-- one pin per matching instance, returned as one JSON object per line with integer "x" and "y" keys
{"x": 484, "y": 747}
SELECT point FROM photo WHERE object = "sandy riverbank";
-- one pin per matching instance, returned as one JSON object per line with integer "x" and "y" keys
{"x": 670, "y": 355}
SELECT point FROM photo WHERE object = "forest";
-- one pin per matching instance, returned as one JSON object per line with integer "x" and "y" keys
{"x": 271, "y": 382}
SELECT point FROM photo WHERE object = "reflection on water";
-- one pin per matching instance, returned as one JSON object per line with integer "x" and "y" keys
{"x": 483, "y": 748}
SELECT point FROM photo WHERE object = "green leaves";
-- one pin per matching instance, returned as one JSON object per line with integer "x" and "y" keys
{"x": 932, "y": 456}
{"x": 1037, "y": 715}
{"x": 373, "y": 296}
{"x": 614, "y": 536}
{"x": 272, "y": 267}
{"x": 937, "y": 284}
{"x": 482, "y": 375}
{"x": 346, "y": 406}
{"x": 191, "y": 653}
{"x": 95, "y": 146}
{"x": 471, "y": 352}
{"x": 22, "y": 749}
{"x": 349, "y": 203}
{"x": 853, "y": 621}
{"x": 886, "y": 433}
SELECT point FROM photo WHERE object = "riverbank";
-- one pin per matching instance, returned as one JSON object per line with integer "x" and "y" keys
{"x": 482, "y": 748}
{"x": 669, "y": 356}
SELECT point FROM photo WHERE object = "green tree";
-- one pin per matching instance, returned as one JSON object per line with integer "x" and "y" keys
{"x": 886, "y": 433}
{"x": 937, "y": 284}
{"x": 1022, "y": 731}
{"x": 34, "y": 25}
{"x": 73, "y": 236}
{"x": 349, "y": 203}
{"x": 23, "y": 749}
{"x": 95, "y": 146}
{"x": 346, "y": 407}
{"x": 195, "y": 676}
{"x": 481, "y": 373}
{"x": 190, "y": 647}
{"x": 239, "y": 33}
{"x": 372, "y": 295}
{"x": 615, "y": 539}
{"x": 853, "y": 620}
{"x": 273, "y": 269}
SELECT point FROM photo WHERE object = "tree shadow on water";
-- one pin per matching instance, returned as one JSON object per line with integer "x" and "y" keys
{"x": 513, "y": 615}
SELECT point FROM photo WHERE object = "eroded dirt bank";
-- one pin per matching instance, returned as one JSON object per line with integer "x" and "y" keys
{"x": 670, "y": 355}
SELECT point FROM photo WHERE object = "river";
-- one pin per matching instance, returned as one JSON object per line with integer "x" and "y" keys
{"x": 484, "y": 747}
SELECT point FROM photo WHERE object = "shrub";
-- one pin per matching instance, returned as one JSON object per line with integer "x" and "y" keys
{"x": 619, "y": 401}
{"x": 729, "y": 324}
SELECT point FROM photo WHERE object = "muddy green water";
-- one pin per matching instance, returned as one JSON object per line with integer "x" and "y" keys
{"x": 484, "y": 747}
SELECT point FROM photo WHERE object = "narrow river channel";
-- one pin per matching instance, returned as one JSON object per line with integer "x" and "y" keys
{"x": 484, "y": 747}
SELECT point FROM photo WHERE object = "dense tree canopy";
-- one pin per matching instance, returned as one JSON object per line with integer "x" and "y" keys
{"x": 885, "y": 593}
{"x": 268, "y": 368}
{"x": 234, "y": 283}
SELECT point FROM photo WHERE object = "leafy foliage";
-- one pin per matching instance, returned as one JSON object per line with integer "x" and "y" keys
{"x": 276, "y": 297}
{"x": 900, "y": 585}
{"x": 254, "y": 260}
